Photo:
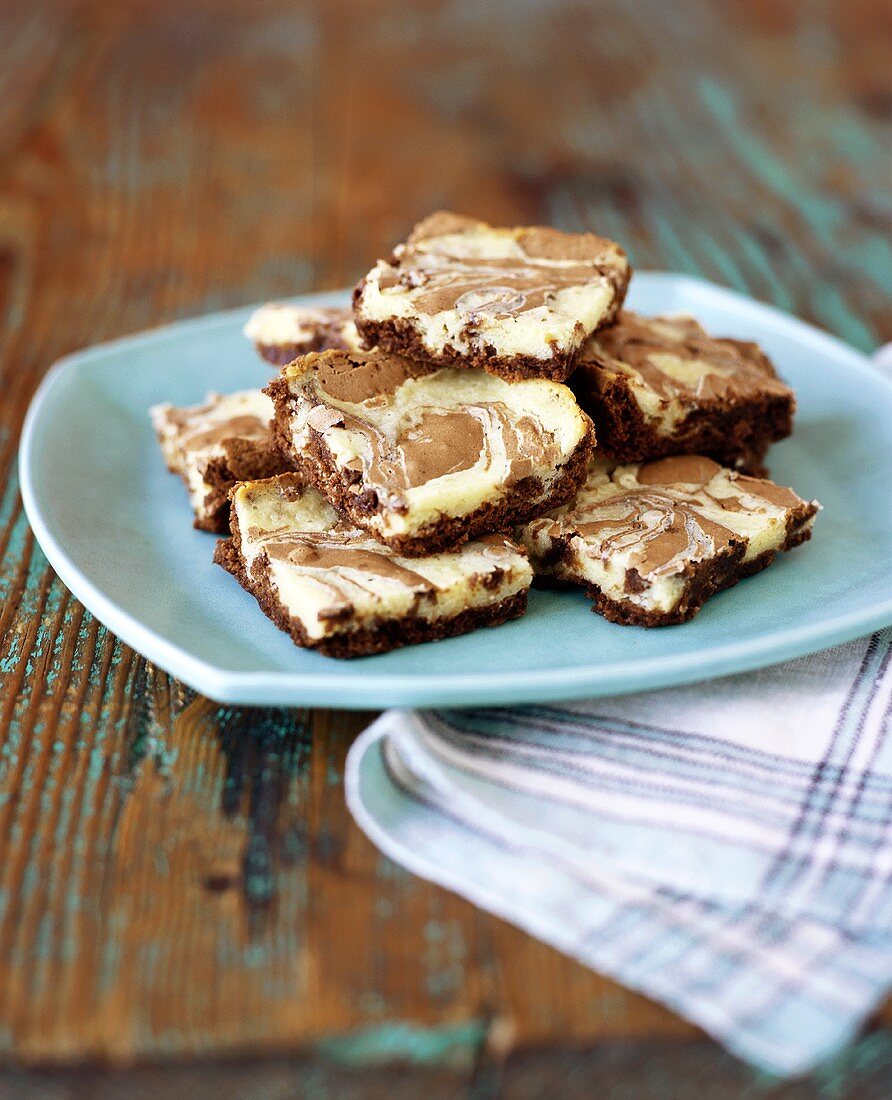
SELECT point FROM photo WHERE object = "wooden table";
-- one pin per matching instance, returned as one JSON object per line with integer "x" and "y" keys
{"x": 181, "y": 881}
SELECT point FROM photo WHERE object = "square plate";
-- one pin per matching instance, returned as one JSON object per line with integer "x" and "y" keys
{"x": 116, "y": 527}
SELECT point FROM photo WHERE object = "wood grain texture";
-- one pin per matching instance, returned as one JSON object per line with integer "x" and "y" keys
{"x": 178, "y": 878}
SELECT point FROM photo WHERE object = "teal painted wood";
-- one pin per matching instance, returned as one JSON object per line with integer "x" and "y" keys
{"x": 647, "y": 1071}
{"x": 176, "y": 878}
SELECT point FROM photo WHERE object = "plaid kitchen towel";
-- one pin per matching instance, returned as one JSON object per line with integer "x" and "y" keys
{"x": 725, "y": 848}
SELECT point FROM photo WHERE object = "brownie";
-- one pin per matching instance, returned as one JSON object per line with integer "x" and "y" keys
{"x": 213, "y": 445}
{"x": 518, "y": 303}
{"x": 335, "y": 589}
{"x": 425, "y": 459}
{"x": 282, "y": 332}
{"x": 651, "y": 542}
{"x": 660, "y": 386}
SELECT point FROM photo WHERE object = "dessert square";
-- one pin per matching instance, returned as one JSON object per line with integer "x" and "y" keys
{"x": 335, "y": 589}
{"x": 213, "y": 445}
{"x": 281, "y": 332}
{"x": 651, "y": 543}
{"x": 662, "y": 385}
{"x": 426, "y": 459}
{"x": 518, "y": 303}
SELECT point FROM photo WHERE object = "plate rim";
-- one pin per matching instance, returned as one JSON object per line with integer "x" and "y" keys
{"x": 293, "y": 688}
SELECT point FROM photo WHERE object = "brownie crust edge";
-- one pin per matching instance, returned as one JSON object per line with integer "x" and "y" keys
{"x": 737, "y": 436}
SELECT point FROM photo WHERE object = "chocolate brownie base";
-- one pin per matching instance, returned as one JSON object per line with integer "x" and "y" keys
{"x": 317, "y": 465}
{"x": 737, "y": 436}
{"x": 392, "y": 634}
{"x": 399, "y": 335}
{"x": 243, "y": 460}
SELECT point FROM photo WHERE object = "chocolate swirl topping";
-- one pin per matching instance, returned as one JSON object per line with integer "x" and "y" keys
{"x": 439, "y": 442}
{"x": 663, "y": 531}
{"x": 456, "y": 263}
{"x": 338, "y": 551}
{"x": 363, "y": 377}
{"x": 424, "y": 441}
{"x": 205, "y": 435}
{"x": 203, "y": 427}
{"x": 668, "y": 513}
{"x": 676, "y": 357}
{"x": 345, "y": 564}
{"x": 684, "y": 469}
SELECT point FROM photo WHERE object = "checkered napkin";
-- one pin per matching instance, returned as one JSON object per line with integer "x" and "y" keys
{"x": 725, "y": 848}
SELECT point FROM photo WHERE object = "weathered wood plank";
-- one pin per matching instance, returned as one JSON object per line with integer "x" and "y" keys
{"x": 645, "y": 1071}
{"x": 180, "y": 878}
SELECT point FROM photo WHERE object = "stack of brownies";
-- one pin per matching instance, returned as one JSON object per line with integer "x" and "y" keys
{"x": 487, "y": 413}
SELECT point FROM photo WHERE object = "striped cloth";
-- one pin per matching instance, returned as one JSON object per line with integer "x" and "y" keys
{"x": 725, "y": 848}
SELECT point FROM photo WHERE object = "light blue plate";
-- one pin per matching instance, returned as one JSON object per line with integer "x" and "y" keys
{"x": 117, "y": 529}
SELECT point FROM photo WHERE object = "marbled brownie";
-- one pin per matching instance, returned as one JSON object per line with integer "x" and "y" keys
{"x": 662, "y": 385}
{"x": 335, "y": 589}
{"x": 651, "y": 543}
{"x": 426, "y": 459}
{"x": 281, "y": 332}
{"x": 518, "y": 303}
{"x": 213, "y": 445}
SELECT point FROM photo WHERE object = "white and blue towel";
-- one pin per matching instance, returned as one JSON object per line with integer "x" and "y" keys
{"x": 725, "y": 848}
